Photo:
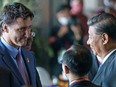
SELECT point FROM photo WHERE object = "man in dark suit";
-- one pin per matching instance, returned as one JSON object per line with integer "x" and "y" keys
{"x": 76, "y": 63}
{"x": 15, "y": 22}
{"x": 102, "y": 41}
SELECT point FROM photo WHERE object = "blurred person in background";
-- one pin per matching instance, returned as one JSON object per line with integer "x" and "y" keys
{"x": 102, "y": 41}
{"x": 77, "y": 13}
{"x": 61, "y": 37}
{"x": 76, "y": 28}
{"x": 110, "y": 6}
{"x": 76, "y": 63}
{"x": 16, "y": 22}
{"x": 67, "y": 32}
{"x": 28, "y": 45}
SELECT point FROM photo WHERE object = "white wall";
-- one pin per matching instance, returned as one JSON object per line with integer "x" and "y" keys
{"x": 91, "y": 6}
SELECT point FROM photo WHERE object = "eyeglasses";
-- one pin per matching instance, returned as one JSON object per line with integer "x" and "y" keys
{"x": 33, "y": 34}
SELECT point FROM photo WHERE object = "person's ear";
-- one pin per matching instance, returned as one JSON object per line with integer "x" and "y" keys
{"x": 5, "y": 27}
{"x": 105, "y": 38}
{"x": 66, "y": 69}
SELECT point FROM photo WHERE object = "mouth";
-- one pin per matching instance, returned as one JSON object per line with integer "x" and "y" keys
{"x": 23, "y": 40}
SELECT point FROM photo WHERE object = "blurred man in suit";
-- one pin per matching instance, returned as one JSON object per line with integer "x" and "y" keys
{"x": 15, "y": 23}
{"x": 102, "y": 41}
{"x": 76, "y": 63}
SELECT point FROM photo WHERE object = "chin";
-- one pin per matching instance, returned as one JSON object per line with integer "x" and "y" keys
{"x": 94, "y": 52}
{"x": 21, "y": 45}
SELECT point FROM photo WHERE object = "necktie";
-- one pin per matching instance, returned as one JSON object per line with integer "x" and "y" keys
{"x": 21, "y": 68}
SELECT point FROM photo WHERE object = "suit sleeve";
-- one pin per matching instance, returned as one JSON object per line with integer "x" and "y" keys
{"x": 5, "y": 77}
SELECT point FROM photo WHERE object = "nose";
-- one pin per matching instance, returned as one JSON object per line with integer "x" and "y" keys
{"x": 28, "y": 33}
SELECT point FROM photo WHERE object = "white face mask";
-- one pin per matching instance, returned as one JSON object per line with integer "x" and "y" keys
{"x": 63, "y": 20}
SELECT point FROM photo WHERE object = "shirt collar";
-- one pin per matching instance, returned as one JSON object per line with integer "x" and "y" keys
{"x": 100, "y": 59}
{"x": 12, "y": 50}
{"x": 106, "y": 57}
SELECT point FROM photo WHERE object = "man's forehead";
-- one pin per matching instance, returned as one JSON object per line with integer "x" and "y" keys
{"x": 26, "y": 22}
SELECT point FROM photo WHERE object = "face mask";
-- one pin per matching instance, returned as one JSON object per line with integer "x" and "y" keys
{"x": 63, "y": 20}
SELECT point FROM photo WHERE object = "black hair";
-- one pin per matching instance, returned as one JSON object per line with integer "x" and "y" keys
{"x": 13, "y": 11}
{"x": 78, "y": 59}
{"x": 104, "y": 23}
{"x": 63, "y": 7}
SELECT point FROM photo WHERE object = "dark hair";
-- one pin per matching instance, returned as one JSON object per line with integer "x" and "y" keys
{"x": 63, "y": 7}
{"x": 11, "y": 12}
{"x": 78, "y": 59}
{"x": 104, "y": 23}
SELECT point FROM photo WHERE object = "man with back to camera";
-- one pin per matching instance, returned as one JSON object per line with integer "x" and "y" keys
{"x": 76, "y": 63}
{"x": 102, "y": 41}
{"x": 16, "y": 22}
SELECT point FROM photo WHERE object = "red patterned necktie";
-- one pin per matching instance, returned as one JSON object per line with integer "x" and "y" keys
{"x": 21, "y": 68}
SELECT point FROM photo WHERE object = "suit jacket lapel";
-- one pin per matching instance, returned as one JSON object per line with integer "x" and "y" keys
{"x": 12, "y": 66}
{"x": 104, "y": 66}
{"x": 10, "y": 63}
{"x": 29, "y": 60}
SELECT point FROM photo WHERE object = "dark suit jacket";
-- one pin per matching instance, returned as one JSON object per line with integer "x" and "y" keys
{"x": 106, "y": 76}
{"x": 94, "y": 67}
{"x": 83, "y": 84}
{"x": 5, "y": 77}
{"x": 8, "y": 63}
